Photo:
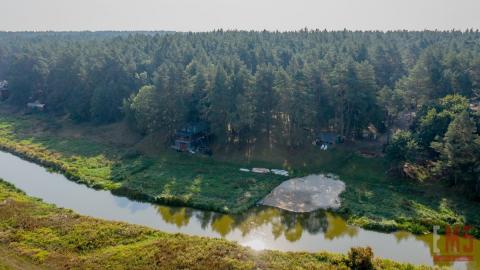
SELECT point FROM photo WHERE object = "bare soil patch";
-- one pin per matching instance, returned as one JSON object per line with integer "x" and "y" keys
{"x": 307, "y": 194}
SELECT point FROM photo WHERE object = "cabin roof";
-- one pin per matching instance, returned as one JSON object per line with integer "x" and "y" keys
{"x": 193, "y": 128}
{"x": 328, "y": 137}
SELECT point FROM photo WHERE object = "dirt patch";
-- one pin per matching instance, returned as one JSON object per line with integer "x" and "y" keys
{"x": 307, "y": 194}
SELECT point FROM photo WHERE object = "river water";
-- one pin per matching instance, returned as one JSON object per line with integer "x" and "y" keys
{"x": 259, "y": 228}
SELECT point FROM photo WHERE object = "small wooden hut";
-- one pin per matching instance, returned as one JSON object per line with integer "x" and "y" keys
{"x": 192, "y": 138}
{"x": 330, "y": 138}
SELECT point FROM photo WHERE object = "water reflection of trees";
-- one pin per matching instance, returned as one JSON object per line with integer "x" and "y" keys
{"x": 338, "y": 227}
{"x": 292, "y": 226}
{"x": 179, "y": 216}
{"x": 281, "y": 223}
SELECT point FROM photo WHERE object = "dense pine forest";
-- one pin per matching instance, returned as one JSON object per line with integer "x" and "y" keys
{"x": 421, "y": 89}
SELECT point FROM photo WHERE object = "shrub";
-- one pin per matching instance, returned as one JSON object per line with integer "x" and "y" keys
{"x": 402, "y": 147}
{"x": 360, "y": 258}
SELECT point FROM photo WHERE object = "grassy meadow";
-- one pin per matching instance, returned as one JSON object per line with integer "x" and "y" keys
{"x": 372, "y": 199}
{"x": 170, "y": 177}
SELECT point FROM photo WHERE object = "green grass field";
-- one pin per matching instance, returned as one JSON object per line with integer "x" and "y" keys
{"x": 372, "y": 199}
{"x": 170, "y": 177}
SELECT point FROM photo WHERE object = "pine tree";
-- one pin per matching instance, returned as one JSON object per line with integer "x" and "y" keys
{"x": 460, "y": 151}
{"x": 266, "y": 99}
{"x": 220, "y": 103}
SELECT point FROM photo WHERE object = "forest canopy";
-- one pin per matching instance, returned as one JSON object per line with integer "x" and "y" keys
{"x": 421, "y": 89}
{"x": 283, "y": 86}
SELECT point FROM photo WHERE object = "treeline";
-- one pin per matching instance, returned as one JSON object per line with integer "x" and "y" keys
{"x": 284, "y": 87}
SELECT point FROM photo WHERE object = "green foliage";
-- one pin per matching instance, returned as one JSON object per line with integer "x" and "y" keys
{"x": 355, "y": 92}
{"x": 402, "y": 147}
{"x": 218, "y": 185}
{"x": 250, "y": 86}
{"x": 27, "y": 75}
{"x": 254, "y": 89}
{"x": 460, "y": 152}
{"x": 392, "y": 102}
{"x": 169, "y": 178}
{"x": 360, "y": 258}
{"x": 145, "y": 108}
{"x": 432, "y": 121}
{"x": 446, "y": 132}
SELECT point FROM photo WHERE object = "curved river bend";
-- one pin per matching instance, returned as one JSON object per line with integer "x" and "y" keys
{"x": 259, "y": 228}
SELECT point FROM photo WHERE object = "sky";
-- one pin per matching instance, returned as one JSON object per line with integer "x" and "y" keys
{"x": 207, "y": 15}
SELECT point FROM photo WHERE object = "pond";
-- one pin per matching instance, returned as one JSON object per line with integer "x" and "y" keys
{"x": 259, "y": 228}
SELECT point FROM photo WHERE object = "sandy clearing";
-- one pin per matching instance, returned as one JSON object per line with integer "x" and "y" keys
{"x": 307, "y": 194}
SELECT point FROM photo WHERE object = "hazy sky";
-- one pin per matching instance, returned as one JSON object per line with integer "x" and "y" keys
{"x": 204, "y": 15}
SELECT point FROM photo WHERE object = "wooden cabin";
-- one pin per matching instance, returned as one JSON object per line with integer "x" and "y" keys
{"x": 192, "y": 138}
{"x": 330, "y": 138}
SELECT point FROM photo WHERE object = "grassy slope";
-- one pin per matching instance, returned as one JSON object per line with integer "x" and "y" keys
{"x": 371, "y": 200}
{"x": 34, "y": 234}
{"x": 11, "y": 261}
{"x": 169, "y": 178}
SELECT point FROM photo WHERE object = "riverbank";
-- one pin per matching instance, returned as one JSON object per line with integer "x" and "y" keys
{"x": 372, "y": 200}
{"x": 171, "y": 178}
{"x": 34, "y": 234}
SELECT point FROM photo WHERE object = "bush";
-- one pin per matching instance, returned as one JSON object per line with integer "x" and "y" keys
{"x": 402, "y": 147}
{"x": 360, "y": 258}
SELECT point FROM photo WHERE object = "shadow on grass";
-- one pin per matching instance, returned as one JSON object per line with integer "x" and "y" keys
{"x": 180, "y": 179}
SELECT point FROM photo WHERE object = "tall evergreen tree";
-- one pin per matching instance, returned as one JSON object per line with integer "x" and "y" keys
{"x": 460, "y": 152}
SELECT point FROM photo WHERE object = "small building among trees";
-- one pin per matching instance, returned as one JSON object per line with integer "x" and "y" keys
{"x": 330, "y": 138}
{"x": 192, "y": 138}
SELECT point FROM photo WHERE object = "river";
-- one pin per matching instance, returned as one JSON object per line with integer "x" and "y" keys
{"x": 259, "y": 228}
